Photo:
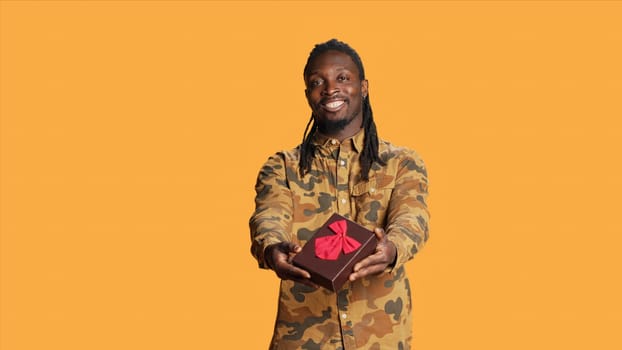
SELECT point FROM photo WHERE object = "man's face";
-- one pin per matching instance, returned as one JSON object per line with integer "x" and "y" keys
{"x": 335, "y": 92}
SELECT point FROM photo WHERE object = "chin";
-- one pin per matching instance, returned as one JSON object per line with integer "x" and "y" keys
{"x": 331, "y": 126}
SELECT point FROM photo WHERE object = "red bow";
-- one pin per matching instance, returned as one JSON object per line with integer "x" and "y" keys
{"x": 329, "y": 247}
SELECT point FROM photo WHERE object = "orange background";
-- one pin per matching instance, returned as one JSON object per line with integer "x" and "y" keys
{"x": 132, "y": 133}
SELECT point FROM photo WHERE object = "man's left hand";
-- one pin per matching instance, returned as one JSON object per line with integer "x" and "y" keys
{"x": 376, "y": 263}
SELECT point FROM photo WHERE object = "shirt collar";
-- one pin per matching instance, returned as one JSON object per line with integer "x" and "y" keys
{"x": 357, "y": 140}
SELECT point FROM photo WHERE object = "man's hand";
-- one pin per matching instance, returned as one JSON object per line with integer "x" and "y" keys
{"x": 376, "y": 263}
{"x": 279, "y": 257}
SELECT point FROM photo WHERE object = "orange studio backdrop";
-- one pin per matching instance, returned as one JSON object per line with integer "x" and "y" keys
{"x": 132, "y": 133}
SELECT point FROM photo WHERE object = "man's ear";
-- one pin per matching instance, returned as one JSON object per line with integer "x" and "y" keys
{"x": 364, "y": 88}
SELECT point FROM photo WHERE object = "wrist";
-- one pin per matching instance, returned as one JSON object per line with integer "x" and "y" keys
{"x": 267, "y": 256}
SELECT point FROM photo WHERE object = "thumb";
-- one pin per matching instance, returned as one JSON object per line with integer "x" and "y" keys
{"x": 292, "y": 247}
{"x": 379, "y": 232}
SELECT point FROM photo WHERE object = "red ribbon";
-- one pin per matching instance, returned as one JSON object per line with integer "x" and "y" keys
{"x": 329, "y": 247}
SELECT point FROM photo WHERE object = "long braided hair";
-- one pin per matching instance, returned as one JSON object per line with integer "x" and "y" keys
{"x": 369, "y": 154}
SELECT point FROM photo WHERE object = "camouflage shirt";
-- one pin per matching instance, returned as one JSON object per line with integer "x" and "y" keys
{"x": 369, "y": 313}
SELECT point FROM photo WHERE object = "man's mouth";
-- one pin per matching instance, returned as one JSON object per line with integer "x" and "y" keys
{"x": 333, "y": 106}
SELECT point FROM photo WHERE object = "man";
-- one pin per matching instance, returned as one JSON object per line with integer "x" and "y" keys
{"x": 341, "y": 166}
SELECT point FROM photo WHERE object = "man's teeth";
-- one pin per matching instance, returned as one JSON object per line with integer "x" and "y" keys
{"x": 335, "y": 104}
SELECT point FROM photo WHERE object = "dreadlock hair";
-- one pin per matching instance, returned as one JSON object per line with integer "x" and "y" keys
{"x": 369, "y": 154}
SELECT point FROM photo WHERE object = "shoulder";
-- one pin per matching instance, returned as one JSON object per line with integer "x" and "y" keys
{"x": 391, "y": 151}
{"x": 286, "y": 155}
{"x": 404, "y": 157}
{"x": 279, "y": 161}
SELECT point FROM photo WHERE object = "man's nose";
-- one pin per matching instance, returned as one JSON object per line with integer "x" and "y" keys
{"x": 330, "y": 88}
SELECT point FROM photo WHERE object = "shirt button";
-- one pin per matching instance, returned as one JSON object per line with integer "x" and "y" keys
{"x": 333, "y": 142}
{"x": 372, "y": 190}
{"x": 342, "y": 162}
{"x": 343, "y": 200}
{"x": 344, "y": 316}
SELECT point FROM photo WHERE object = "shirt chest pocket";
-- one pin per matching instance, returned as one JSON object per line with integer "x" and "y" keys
{"x": 371, "y": 199}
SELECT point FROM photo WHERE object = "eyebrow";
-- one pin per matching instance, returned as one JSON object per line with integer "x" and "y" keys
{"x": 339, "y": 69}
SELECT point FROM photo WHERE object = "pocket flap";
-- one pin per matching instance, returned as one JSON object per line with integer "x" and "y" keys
{"x": 372, "y": 186}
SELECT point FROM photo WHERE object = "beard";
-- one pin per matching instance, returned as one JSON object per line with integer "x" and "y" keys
{"x": 331, "y": 127}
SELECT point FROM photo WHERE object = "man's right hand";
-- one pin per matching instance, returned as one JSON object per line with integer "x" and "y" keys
{"x": 279, "y": 257}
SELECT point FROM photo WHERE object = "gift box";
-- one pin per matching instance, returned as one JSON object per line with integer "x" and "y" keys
{"x": 331, "y": 253}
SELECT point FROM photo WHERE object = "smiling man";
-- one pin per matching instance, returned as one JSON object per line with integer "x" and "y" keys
{"x": 341, "y": 167}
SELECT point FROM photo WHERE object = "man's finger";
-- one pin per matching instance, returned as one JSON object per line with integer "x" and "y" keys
{"x": 376, "y": 257}
{"x": 294, "y": 271}
{"x": 379, "y": 233}
{"x": 305, "y": 281}
{"x": 368, "y": 270}
{"x": 294, "y": 248}
{"x": 373, "y": 259}
{"x": 298, "y": 275}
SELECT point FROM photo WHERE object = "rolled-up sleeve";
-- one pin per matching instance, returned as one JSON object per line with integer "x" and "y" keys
{"x": 408, "y": 215}
{"x": 271, "y": 220}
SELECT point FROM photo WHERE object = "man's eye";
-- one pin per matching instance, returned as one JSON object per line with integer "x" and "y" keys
{"x": 316, "y": 82}
{"x": 342, "y": 78}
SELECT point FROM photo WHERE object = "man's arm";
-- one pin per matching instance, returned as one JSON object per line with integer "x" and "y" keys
{"x": 407, "y": 221}
{"x": 270, "y": 224}
{"x": 408, "y": 215}
{"x": 271, "y": 221}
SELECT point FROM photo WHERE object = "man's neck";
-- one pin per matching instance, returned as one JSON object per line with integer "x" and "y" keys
{"x": 348, "y": 131}
{"x": 342, "y": 135}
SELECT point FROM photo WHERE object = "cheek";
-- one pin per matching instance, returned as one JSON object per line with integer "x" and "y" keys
{"x": 311, "y": 101}
{"x": 313, "y": 97}
{"x": 355, "y": 94}
{"x": 356, "y": 102}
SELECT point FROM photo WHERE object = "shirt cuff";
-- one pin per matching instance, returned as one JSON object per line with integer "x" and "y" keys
{"x": 400, "y": 256}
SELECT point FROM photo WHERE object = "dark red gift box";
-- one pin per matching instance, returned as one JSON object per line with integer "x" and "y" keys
{"x": 332, "y": 274}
